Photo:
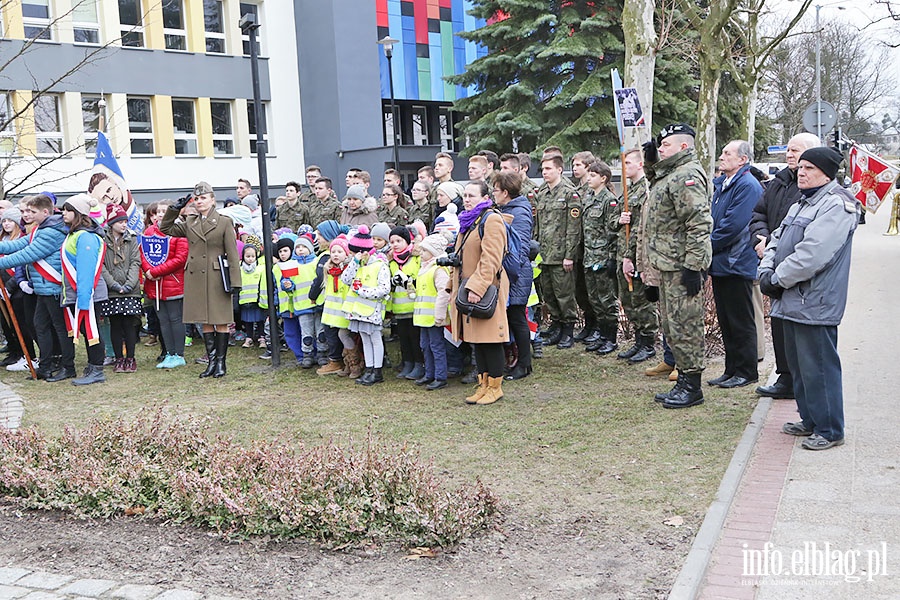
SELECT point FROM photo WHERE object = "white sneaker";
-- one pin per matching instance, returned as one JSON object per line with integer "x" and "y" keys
{"x": 20, "y": 365}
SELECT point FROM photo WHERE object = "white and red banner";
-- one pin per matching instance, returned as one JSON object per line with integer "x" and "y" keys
{"x": 871, "y": 178}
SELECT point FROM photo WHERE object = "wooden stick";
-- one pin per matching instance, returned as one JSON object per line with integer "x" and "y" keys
{"x": 8, "y": 303}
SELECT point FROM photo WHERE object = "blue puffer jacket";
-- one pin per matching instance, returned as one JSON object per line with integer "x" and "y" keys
{"x": 732, "y": 207}
{"x": 523, "y": 223}
{"x": 46, "y": 244}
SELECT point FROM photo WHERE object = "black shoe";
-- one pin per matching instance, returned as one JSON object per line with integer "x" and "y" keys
{"x": 372, "y": 377}
{"x": 646, "y": 351}
{"x": 221, "y": 352}
{"x": 604, "y": 346}
{"x": 720, "y": 379}
{"x": 566, "y": 339}
{"x": 308, "y": 361}
{"x": 736, "y": 382}
{"x": 519, "y": 372}
{"x": 470, "y": 377}
{"x": 424, "y": 380}
{"x": 686, "y": 393}
{"x": 626, "y": 354}
{"x": 365, "y": 375}
{"x": 417, "y": 371}
{"x": 553, "y": 334}
{"x": 436, "y": 385}
{"x": 60, "y": 375}
{"x": 405, "y": 368}
{"x": 777, "y": 391}
{"x": 586, "y": 331}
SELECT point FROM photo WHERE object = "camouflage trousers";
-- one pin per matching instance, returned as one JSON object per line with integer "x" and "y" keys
{"x": 601, "y": 290}
{"x": 682, "y": 320}
{"x": 641, "y": 313}
{"x": 582, "y": 298}
{"x": 558, "y": 293}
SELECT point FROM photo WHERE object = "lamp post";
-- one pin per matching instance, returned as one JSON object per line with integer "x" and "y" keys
{"x": 249, "y": 26}
{"x": 819, "y": 72}
{"x": 387, "y": 42}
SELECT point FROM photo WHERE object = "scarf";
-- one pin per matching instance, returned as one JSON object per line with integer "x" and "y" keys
{"x": 468, "y": 217}
{"x": 402, "y": 258}
{"x": 335, "y": 273}
{"x": 248, "y": 268}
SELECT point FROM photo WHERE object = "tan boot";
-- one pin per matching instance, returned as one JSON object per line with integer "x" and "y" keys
{"x": 345, "y": 371}
{"x": 480, "y": 390}
{"x": 356, "y": 364}
{"x": 333, "y": 367}
{"x": 673, "y": 376}
{"x": 661, "y": 369}
{"x": 493, "y": 392}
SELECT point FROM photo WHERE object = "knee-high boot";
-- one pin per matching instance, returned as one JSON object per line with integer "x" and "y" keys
{"x": 221, "y": 352}
{"x": 209, "y": 340}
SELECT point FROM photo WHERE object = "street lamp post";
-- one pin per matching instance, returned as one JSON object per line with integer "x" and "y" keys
{"x": 249, "y": 26}
{"x": 387, "y": 42}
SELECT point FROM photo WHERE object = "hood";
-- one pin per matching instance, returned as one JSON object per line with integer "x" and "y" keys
{"x": 55, "y": 221}
{"x": 369, "y": 205}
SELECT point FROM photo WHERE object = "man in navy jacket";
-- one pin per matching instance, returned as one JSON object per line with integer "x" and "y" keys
{"x": 734, "y": 263}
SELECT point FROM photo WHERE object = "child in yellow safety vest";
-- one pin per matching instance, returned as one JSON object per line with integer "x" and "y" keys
{"x": 404, "y": 268}
{"x": 307, "y": 309}
{"x": 343, "y": 359}
{"x": 369, "y": 278}
{"x": 430, "y": 311}
{"x": 287, "y": 278}
{"x": 252, "y": 304}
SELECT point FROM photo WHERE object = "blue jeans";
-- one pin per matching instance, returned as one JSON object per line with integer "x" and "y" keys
{"x": 292, "y": 336}
{"x": 431, "y": 340}
{"x": 668, "y": 356}
{"x": 811, "y": 352}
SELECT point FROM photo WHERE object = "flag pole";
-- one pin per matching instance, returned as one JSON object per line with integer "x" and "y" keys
{"x": 15, "y": 323}
{"x": 617, "y": 84}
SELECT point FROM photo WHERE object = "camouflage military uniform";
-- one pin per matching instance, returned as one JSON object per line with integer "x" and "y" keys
{"x": 318, "y": 211}
{"x": 641, "y": 313}
{"x": 582, "y": 293}
{"x": 421, "y": 212}
{"x": 290, "y": 216}
{"x": 677, "y": 229}
{"x": 598, "y": 222}
{"x": 558, "y": 229}
{"x": 394, "y": 217}
{"x": 306, "y": 195}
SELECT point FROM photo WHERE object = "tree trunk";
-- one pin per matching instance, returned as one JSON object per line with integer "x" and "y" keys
{"x": 748, "y": 112}
{"x": 707, "y": 109}
{"x": 640, "y": 63}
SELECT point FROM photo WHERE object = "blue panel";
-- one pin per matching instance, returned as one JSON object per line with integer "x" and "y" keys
{"x": 409, "y": 25}
{"x": 411, "y": 73}
{"x": 399, "y": 59}
{"x": 394, "y": 8}
{"x": 437, "y": 66}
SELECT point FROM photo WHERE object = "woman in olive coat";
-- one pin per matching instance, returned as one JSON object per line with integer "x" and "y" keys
{"x": 210, "y": 235}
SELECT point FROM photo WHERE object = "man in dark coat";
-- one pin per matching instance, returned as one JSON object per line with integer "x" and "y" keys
{"x": 781, "y": 193}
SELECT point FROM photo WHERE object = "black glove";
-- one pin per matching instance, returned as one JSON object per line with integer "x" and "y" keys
{"x": 692, "y": 281}
{"x": 611, "y": 269}
{"x": 651, "y": 153}
{"x": 651, "y": 292}
{"x": 767, "y": 287}
{"x": 182, "y": 202}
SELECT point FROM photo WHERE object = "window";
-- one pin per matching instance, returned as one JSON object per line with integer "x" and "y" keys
{"x": 445, "y": 121}
{"x": 90, "y": 118}
{"x": 140, "y": 126}
{"x": 173, "y": 24}
{"x": 419, "y": 126}
{"x": 247, "y": 8}
{"x": 36, "y": 19}
{"x": 251, "y": 119}
{"x": 185, "y": 126}
{"x": 388, "y": 125}
{"x": 84, "y": 22}
{"x": 131, "y": 23}
{"x": 223, "y": 134}
{"x": 47, "y": 124}
{"x": 213, "y": 20}
{"x": 7, "y": 125}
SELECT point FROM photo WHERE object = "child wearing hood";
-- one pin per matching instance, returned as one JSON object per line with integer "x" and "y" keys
{"x": 430, "y": 312}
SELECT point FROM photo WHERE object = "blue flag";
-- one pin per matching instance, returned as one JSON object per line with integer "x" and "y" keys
{"x": 155, "y": 249}
{"x": 106, "y": 167}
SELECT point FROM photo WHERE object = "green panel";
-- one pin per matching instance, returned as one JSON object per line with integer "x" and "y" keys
{"x": 424, "y": 78}
{"x": 447, "y": 58}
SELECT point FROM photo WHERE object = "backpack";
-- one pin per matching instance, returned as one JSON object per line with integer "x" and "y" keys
{"x": 515, "y": 257}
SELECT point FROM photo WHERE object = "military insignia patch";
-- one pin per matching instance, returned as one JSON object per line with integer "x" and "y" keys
{"x": 689, "y": 182}
{"x": 575, "y": 212}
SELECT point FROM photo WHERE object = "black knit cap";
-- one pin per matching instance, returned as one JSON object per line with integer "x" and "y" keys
{"x": 828, "y": 160}
{"x": 402, "y": 232}
{"x": 362, "y": 241}
{"x": 284, "y": 242}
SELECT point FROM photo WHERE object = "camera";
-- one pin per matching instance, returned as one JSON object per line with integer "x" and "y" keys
{"x": 451, "y": 260}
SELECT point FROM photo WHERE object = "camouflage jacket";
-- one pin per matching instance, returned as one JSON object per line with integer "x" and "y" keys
{"x": 421, "y": 212}
{"x": 318, "y": 211}
{"x": 637, "y": 196}
{"x": 678, "y": 220}
{"x": 599, "y": 223}
{"x": 394, "y": 216}
{"x": 290, "y": 216}
{"x": 307, "y": 195}
{"x": 557, "y": 222}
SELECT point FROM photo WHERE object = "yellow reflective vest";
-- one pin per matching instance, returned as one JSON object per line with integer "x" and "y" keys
{"x": 426, "y": 297}
{"x": 356, "y": 304}
{"x": 401, "y": 303}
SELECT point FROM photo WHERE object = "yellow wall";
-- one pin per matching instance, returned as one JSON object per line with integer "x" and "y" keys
{"x": 27, "y": 141}
{"x": 163, "y": 125}
{"x": 196, "y": 32}
{"x": 153, "y": 26}
{"x": 12, "y": 19}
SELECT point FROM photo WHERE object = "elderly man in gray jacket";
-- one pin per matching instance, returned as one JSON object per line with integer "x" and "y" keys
{"x": 804, "y": 270}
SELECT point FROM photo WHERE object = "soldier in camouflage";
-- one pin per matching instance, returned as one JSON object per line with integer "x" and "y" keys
{"x": 558, "y": 229}
{"x": 421, "y": 208}
{"x": 590, "y": 333}
{"x": 308, "y": 194}
{"x": 324, "y": 206}
{"x": 389, "y": 210}
{"x": 641, "y": 313}
{"x": 292, "y": 212}
{"x": 599, "y": 222}
{"x": 677, "y": 227}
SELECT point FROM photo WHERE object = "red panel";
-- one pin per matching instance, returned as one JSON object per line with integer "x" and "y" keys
{"x": 434, "y": 9}
{"x": 381, "y": 12}
{"x": 445, "y": 3}
{"x": 421, "y": 16}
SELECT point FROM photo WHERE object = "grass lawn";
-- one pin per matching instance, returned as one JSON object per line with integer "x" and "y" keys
{"x": 581, "y": 438}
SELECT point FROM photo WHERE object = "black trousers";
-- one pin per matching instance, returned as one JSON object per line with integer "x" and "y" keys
{"x": 408, "y": 336}
{"x": 50, "y": 327}
{"x": 124, "y": 329}
{"x": 518, "y": 325}
{"x": 734, "y": 308}
{"x": 781, "y": 362}
{"x": 489, "y": 358}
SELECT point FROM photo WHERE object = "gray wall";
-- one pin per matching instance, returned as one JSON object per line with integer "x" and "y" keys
{"x": 134, "y": 71}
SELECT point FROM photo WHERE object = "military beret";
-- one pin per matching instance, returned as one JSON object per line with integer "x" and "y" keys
{"x": 675, "y": 129}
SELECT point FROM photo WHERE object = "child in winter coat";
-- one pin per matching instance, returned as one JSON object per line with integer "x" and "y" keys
{"x": 252, "y": 303}
{"x": 346, "y": 362}
{"x": 287, "y": 277}
{"x": 404, "y": 269}
{"x": 430, "y": 313}
{"x": 306, "y": 309}
{"x": 369, "y": 278}
{"x": 122, "y": 271}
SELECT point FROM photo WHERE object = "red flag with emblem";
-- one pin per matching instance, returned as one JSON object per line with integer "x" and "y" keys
{"x": 871, "y": 178}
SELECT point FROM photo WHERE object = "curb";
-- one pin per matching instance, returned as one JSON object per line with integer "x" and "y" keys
{"x": 690, "y": 579}
{"x": 12, "y": 408}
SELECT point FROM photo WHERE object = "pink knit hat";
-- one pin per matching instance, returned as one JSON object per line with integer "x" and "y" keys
{"x": 341, "y": 241}
{"x": 361, "y": 241}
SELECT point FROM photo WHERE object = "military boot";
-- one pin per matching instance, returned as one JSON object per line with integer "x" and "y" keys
{"x": 608, "y": 343}
{"x": 647, "y": 349}
{"x": 589, "y": 327}
{"x": 567, "y": 339}
{"x": 553, "y": 334}
{"x": 687, "y": 392}
{"x": 625, "y": 354}
{"x": 594, "y": 336}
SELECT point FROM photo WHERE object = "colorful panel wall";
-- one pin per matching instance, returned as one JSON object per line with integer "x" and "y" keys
{"x": 428, "y": 50}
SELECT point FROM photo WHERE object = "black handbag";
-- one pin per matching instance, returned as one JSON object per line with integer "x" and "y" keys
{"x": 484, "y": 308}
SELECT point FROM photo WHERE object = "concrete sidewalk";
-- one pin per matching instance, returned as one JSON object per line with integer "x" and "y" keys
{"x": 828, "y": 523}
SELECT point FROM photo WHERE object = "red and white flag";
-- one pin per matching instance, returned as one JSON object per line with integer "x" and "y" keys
{"x": 871, "y": 178}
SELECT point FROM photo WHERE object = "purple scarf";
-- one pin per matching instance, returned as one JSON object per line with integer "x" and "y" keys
{"x": 468, "y": 217}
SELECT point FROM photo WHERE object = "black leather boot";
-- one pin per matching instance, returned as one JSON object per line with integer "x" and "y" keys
{"x": 647, "y": 349}
{"x": 567, "y": 339}
{"x": 608, "y": 344}
{"x": 625, "y": 354}
{"x": 209, "y": 340}
{"x": 222, "y": 340}
{"x": 553, "y": 334}
{"x": 366, "y": 374}
{"x": 582, "y": 335}
{"x": 687, "y": 392}
{"x": 594, "y": 336}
